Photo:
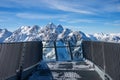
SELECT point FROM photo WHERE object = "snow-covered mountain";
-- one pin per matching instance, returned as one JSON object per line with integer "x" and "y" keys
{"x": 4, "y": 33}
{"x": 24, "y": 33}
{"x": 105, "y": 37}
{"x": 50, "y": 33}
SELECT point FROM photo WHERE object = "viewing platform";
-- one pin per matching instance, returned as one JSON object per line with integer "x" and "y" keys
{"x": 91, "y": 60}
{"x": 63, "y": 70}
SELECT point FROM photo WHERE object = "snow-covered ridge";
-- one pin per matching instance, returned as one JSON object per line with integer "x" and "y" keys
{"x": 49, "y": 32}
{"x": 4, "y": 33}
{"x": 52, "y": 32}
{"x": 105, "y": 37}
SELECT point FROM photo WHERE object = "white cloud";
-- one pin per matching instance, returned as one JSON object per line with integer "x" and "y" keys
{"x": 113, "y": 23}
{"x": 67, "y": 6}
{"x": 39, "y": 16}
{"x": 74, "y": 28}
{"x": 82, "y": 21}
{"x": 116, "y": 21}
{"x": 77, "y": 6}
{"x": 2, "y": 20}
{"x": 78, "y": 20}
{"x": 53, "y": 4}
{"x": 93, "y": 7}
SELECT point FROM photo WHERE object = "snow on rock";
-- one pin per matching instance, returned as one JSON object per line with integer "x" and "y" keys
{"x": 59, "y": 29}
{"x": 64, "y": 34}
{"x": 24, "y": 33}
{"x": 4, "y": 33}
{"x": 104, "y": 37}
{"x": 49, "y": 32}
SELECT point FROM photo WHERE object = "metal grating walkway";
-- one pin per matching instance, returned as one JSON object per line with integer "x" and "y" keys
{"x": 65, "y": 71}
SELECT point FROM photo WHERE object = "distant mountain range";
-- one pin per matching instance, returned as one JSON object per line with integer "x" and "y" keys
{"x": 52, "y": 32}
{"x": 105, "y": 37}
{"x": 36, "y": 33}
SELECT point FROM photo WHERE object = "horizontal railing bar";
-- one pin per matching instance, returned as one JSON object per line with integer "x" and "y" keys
{"x": 61, "y": 46}
{"x": 58, "y": 40}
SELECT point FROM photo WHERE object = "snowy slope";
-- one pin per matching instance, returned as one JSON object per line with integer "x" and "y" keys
{"x": 4, "y": 33}
{"x": 52, "y": 32}
{"x": 105, "y": 37}
{"x": 24, "y": 33}
{"x": 49, "y": 32}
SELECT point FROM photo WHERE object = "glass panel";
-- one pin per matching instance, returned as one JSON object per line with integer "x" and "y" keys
{"x": 49, "y": 54}
{"x": 48, "y": 51}
{"x": 62, "y": 51}
{"x": 76, "y": 50}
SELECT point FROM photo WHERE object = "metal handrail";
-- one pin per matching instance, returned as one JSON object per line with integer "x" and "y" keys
{"x": 61, "y": 46}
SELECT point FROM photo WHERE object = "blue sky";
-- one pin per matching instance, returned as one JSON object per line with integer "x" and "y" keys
{"x": 89, "y": 16}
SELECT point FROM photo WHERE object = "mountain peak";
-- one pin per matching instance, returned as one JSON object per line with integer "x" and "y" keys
{"x": 51, "y": 25}
{"x": 50, "y": 31}
{"x": 59, "y": 25}
{"x": 4, "y": 33}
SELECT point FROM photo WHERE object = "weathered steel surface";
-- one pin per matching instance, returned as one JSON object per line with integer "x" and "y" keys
{"x": 65, "y": 71}
{"x": 11, "y": 57}
{"x": 112, "y": 60}
{"x": 33, "y": 53}
{"x": 87, "y": 50}
{"x": 98, "y": 54}
{"x": 105, "y": 55}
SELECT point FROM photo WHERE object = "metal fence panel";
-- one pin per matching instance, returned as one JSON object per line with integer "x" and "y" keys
{"x": 105, "y": 55}
{"x": 33, "y": 53}
{"x": 12, "y": 53}
{"x": 112, "y": 60}
{"x": 98, "y": 54}
{"x": 86, "y": 46}
{"x": 9, "y": 59}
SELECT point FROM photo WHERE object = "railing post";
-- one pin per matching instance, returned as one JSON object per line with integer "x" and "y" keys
{"x": 55, "y": 51}
{"x": 69, "y": 46}
{"x": 104, "y": 66}
{"x": 103, "y": 55}
{"x": 19, "y": 74}
{"x": 92, "y": 54}
{"x": 41, "y": 51}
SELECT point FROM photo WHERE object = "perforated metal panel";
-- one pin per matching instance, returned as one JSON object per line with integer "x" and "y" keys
{"x": 9, "y": 59}
{"x": 33, "y": 53}
{"x": 98, "y": 52}
{"x": 87, "y": 49}
{"x": 14, "y": 55}
{"x": 105, "y": 55}
{"x": 112, "y": 60}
